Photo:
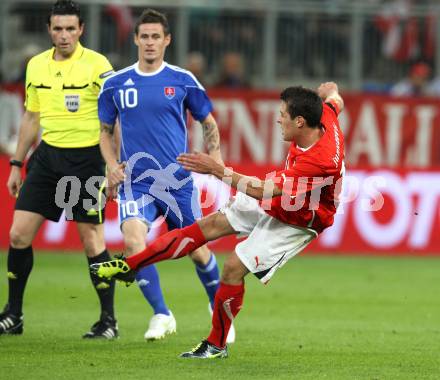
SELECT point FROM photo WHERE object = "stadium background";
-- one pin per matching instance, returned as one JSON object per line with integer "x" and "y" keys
{"x": 332, "y": 316}
{"x": 365, "y": 46}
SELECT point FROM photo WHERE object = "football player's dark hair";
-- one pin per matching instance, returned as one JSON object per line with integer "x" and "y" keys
{"x": 303, "y": 102}
{"x": 63, "y": 8}
{"x": 151, "y": 16}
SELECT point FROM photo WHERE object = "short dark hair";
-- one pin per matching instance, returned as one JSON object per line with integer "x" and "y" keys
{"x": 65, "y": 7}
{"x": 303, "y": 102}
{"x": 151, "y": 16}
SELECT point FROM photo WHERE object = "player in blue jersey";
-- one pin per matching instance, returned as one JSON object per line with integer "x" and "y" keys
{"x": 150, "y": 99}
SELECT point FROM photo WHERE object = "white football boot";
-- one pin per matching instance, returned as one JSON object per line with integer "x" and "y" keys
{"x": 160, "y": 326}
{"x": 231, "y": 334}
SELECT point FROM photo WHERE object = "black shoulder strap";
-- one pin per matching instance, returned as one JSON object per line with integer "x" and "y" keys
{"x": 332, "y": 107}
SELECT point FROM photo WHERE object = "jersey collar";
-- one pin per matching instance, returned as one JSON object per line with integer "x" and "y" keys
{"x": 76, "y": 54}
{"x": 306, "y": 149}
{"x": 138, "y": 71}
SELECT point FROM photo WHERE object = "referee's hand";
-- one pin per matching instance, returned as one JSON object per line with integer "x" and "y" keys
{"x": 14, "y": 181}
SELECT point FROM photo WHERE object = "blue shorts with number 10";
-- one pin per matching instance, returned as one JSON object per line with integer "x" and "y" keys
{"x": 180, "y": 208}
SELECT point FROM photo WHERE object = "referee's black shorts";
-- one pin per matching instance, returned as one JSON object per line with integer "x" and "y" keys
{"x": 64, "y": 179}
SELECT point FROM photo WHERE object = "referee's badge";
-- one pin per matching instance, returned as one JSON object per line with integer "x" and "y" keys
{"x": 71, "y": 102}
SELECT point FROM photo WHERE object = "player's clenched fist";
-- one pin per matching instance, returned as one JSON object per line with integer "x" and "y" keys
{"x": 326, "y": 89}
{"x": 329, "y": 92}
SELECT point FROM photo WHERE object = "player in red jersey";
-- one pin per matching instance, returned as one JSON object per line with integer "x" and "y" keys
{"x": 280, "y": 215}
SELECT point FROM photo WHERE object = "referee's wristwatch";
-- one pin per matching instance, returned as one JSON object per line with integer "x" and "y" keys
{"x": 16, "y": 163}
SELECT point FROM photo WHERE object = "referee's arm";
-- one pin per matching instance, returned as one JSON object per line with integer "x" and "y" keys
{"x": 29, "y": 127}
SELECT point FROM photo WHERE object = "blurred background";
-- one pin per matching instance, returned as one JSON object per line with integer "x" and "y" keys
{"x": 369, "y": 44}
{"x": 384, "y": 54}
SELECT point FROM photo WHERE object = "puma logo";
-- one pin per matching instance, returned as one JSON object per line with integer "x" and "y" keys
{"x": 182, "y": 245}
{"x": 227, "y": 308}
{"x": 256, "y": 262}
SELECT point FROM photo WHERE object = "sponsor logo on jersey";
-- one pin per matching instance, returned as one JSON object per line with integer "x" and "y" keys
{"x": 71, "y": 102}
{"x": 169, "y": 92}
{"x": 129, "y": 82}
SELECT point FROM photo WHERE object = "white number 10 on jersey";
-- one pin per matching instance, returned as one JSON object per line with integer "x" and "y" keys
{"x": 128, "y": 97}
{"x": 129, "y": 208}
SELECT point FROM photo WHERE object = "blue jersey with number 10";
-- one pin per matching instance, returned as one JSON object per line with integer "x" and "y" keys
{"x": 151, "y": 108}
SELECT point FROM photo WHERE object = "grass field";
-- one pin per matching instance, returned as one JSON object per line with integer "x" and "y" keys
{"x": 320, "y": 318}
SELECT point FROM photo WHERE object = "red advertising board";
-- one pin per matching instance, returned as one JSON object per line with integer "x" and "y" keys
{"x": 380, "y": 131}
{"x": 391, "y": 196}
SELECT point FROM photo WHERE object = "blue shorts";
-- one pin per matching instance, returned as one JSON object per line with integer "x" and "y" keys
{"x": 180, "y": 208}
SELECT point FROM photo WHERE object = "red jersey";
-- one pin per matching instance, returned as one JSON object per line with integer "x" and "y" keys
{"x": 312, "y": 178}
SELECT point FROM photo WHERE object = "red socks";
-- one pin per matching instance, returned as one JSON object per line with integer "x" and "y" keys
{"x": 227, "y": 304}
{"x": 172, "y": 245}
{"x": 179, "y": 243}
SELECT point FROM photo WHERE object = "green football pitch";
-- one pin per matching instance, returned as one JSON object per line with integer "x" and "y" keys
{"x": 326, "y": 317}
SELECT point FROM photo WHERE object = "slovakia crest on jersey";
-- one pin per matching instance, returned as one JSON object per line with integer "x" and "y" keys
{"x": 169, "y": 92}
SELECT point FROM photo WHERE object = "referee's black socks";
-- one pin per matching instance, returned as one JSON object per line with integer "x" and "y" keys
{"x": 20, "y": 262}
{"x": 105, "y": 288}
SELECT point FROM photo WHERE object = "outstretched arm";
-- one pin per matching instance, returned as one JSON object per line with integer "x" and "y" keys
{"x": 252, "y": 186}
{"x": 328, "y": 91}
